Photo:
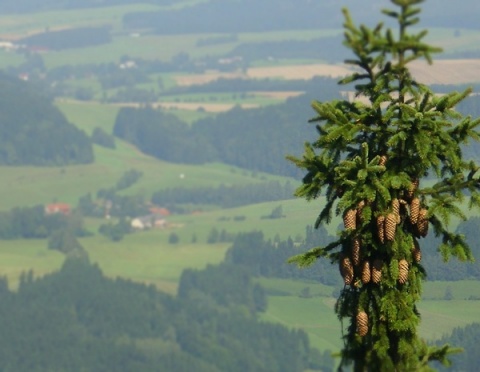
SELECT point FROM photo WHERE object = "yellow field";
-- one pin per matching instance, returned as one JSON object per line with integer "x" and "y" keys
{"x": 449, "y": 71}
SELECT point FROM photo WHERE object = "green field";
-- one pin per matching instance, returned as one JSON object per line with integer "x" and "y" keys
{"x": 24, "y": 186}
{"x": 35, "y": 185}
{"x": 21, "y": 256}
{"x": 147, "y": 256}
{"x": 316, "y": 316}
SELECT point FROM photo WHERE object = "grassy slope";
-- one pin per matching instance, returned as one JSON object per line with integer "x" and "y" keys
{"x": 23, "y": 186}
{"x": 316, "y": 316}
{"x": 147, "y": 256}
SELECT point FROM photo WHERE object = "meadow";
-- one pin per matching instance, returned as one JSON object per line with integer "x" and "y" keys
{"x": 148, "y": 256}
{"x": 315, "y": 313}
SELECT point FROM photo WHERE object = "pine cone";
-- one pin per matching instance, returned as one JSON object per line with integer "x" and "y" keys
{"x": 383, "y": 160}
{"x": 377, "y": 271}
{"x": 346, "y": 270}
{"x": 416, "y": 252}
{"x": 422, "y": 223}
{"x": 402, "y": 271}
{"x": 414, "y": 210}
{"x": 362, "y": 323}
{"x": 396, "y": 209}
{"x": 381, "y": 228}
{"x": 366, "y": 274}
{"x": 350, "y": 219}
{"x": 390, "y": 226}
{"x": 413, "y": 187}
{"x": 356, "y": 251}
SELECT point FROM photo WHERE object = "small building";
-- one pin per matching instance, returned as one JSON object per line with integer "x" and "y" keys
{"x": 54, "y": 208}
{"x": 148, "y": 222}
{"x": 159, "y": 211}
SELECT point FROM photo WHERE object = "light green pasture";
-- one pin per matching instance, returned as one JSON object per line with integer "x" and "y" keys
{"x": 88, "y": 115}
{"x": 20, "y": 256}
{"x": 147, "y": 46}
{"x": 439, "y": 318}
{"x": 147, "y": 257}
{"x": 22, "y": 186}
{"x": 164, "y": 47}
{"x": 460, "y": 290}
{"x": 316, "y": 316}
{"x": 298, "y": 216}
{"x": 10, "y": 59}
{"x": 295, "y": 287}
{"x": 313, "y": 315}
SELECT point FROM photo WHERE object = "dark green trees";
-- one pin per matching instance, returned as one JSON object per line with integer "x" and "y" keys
{"x": 34, "y": 132}
{"x": 391, "y": 164}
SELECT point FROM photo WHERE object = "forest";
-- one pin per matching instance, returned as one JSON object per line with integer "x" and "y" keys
{"x": 289, "y": 14}
{"x": 103, "y": 324}
{"x": 255, "y": 139}
{"x": 71, "y": 38}
{"x": 34, "y": 132}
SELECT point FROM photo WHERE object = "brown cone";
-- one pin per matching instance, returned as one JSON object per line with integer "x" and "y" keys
{"x": 356, "y": 251}
{"x": 377, "y": 271}
{"x": 402, "y": 271}
{"x": 396, "y": 209}
{"x": 350, "y": 219}
{"x": 416, "y": 252}
{"x": 414, "y": 210}
{"x": 383, "y": 160}
{"x": 366, "y": 274}
{"x": 390, "y": 226}
{"x": 362, "y": 323}
{"x": 381, "y": 228}
{"x": 422, "y": 223}
{"x": 346, "y": 270}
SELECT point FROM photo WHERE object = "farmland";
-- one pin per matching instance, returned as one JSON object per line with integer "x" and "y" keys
{"x": 148, "y": 256}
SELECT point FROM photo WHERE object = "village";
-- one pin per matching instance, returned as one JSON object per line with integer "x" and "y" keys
{"x": 155, "y": 219}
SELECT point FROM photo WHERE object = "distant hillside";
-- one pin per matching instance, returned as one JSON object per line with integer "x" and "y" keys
{"x": 255, "y": 139}
{"x": 34, "y": 132}
{"x": 70, "y": 38}
{"x": 271, "y": 15}
{"x": 32, "y": 6}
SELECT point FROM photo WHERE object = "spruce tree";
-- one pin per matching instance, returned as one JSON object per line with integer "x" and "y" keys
{"x": 391, "y": 164}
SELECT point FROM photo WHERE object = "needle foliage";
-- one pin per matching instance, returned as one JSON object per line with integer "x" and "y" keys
{"x": 390, "y": 162}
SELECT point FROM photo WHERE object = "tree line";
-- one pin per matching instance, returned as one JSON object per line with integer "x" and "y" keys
{"x": 77, "y": 319}
{"x": 34, "y": 223}
{"x": 225, "y": 196}
{"x": 228, "y": 17}
{"x": 79, "y": 37}
{"x": 268, "y": 258}
{"x": 256, "y": 139}
{"x": 34, "y": 132}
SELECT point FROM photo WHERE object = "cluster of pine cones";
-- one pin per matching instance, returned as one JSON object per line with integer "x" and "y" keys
{"x": 355, "y": 271}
